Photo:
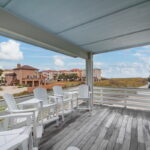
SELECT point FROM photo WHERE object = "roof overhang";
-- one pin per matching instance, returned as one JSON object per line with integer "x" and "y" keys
{"x": 77, "y": 27}
{"x": 16, "y": 28}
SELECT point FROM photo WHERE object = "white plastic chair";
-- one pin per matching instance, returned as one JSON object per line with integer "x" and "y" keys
{"x": 12, "y": 137}
{"x": 12, "y": 108}
{"x": 85, "y": 95}
{"x": 49, "y": 107}
{"x": 63, "y": 97}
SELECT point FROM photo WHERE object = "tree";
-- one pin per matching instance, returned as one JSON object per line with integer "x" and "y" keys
{"x": 62, "y": 77}
{"x": 65, "y": 77}
{"x": 148, "y": 79}
{"x": 73, "y": 76}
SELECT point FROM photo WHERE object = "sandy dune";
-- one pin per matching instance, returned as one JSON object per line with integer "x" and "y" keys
{"x": 11, "y": 90}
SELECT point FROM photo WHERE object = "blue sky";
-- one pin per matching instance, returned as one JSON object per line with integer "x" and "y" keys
{"x": 134, "y": 62}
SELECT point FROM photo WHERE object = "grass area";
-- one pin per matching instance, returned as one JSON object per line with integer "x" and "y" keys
{"x": 21, "y": 93}
{"x": 2, "y": 108}
{"x": 71, "y": 84}
{"x": 65, "y": 84}
{"x": 122, "y": 82}
{"x": 1, "y": 89}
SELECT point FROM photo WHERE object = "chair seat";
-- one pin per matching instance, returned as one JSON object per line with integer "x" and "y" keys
{"x": 13, "y": 138}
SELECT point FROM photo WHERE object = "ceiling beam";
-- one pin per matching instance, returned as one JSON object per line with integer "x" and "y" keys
{"x": 19, "y": 29}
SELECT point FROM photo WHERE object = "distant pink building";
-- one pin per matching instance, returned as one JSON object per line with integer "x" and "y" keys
{"x": 24, "y": 75}
{"x": 53, "y": 74}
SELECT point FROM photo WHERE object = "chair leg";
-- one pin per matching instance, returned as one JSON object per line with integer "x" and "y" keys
{"x": 24, "y": 145}
{"x": 89, "y": 105}
{"x": 77, "y": 104}
{"x": 63, "y": 119}
{"x": 71, "y": 105}
{"x": 57, "y": 122}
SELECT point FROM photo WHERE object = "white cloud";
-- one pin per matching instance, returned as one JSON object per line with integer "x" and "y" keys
{"x": 125, "y": 69}
{"x": 139, "y": 68}
{"x": 98, "y": 64}
{"x": 58, "y": 61}
{"x": 10, "y": 50}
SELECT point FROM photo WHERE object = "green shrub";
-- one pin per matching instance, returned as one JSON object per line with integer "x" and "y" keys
{"x": 21, "y": 85}
{"x": 2, "y": 108}
{"x": 1, "y": 89}
{"x": 71, "y": 84}
{"x": 22, "y": 93}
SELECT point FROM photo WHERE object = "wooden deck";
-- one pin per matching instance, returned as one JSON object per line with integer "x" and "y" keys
{"x": 108, "y": 128}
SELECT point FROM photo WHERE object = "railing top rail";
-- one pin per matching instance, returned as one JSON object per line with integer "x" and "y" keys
{"x": 127, "y": 89}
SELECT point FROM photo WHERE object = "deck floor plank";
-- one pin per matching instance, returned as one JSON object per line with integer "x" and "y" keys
{"x": 108, "y": 128}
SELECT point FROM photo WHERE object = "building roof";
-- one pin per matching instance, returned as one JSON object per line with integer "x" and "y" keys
{"x": 75, "y": 70}
{"x": 49, "y": 71}
{"x": 63, "y": 70}
{"x": 25, "y": 67}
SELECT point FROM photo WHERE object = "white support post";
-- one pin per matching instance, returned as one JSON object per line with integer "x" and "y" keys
{"x": 89, "y": 74}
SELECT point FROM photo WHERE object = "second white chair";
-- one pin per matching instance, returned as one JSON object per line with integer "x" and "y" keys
{"x": 62, "y": 98}
{"x": 85, "y": 95}
{"x": 49, "y": 112}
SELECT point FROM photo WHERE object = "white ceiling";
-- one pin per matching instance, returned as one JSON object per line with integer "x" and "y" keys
{"x": 91, "y": 25}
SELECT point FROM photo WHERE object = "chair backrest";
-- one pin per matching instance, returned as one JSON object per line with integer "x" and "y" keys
{"x": 10, "y": 101}
{"x": 41, "y": 94}
{"x": 83, "y": 91}
{"x": 57, "y": 90}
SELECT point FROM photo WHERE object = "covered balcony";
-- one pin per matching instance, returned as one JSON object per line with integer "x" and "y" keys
{"x": 119, "y": 119}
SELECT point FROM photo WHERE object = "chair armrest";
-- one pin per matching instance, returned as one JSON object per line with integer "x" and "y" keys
{"x": 23, "y": 111}
{"x": 49, "y": 105}
{"x": 16, "y": 115}
{"x": 71, "y": 93}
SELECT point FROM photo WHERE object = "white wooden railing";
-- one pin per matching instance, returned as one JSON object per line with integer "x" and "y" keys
{"x": 126, "y": 97}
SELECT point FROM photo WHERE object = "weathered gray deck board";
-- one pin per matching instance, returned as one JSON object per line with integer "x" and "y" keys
{"x": 108, "y": 128}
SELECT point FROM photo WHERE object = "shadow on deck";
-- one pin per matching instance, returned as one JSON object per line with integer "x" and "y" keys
{"x": 109, "y": 128}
